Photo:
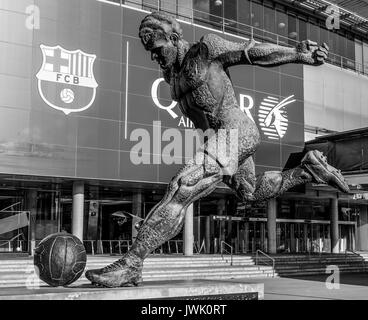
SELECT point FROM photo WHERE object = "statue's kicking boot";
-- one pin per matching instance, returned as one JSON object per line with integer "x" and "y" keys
{"x": 316, "y": 164}
{"x": 125, "y": 272}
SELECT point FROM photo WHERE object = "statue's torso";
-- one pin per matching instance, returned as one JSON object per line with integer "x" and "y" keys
{"x": 202, "y": 88}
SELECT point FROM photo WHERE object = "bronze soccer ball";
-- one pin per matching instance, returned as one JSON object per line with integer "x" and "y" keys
{"x": 60, "y": 259}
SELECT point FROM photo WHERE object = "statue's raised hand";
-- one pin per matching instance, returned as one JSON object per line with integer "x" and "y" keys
{"x": 311, "y": 53}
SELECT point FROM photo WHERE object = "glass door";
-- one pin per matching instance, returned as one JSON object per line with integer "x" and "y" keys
{"x": 14, "y": 222}
{"x": 347, "y": 237}
{"x": 283, "y": 237}
{"x": 257, "y": 236}
{"x": 48, "y": 214}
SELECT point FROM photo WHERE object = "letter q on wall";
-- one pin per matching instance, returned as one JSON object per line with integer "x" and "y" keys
{"x": 154, "y": 91}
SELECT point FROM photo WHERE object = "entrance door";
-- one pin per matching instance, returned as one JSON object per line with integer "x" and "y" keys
{"x": 283, "y": 236}
{"x": 302, "y": 237}
{"x": 257, "y": 236}
{"x": 48, "y": 214}
{"x": 347, "y": 237}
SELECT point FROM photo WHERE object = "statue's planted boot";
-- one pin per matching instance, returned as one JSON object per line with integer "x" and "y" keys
{"x": 125, "y": 272}
{"x": 316, "y": 164}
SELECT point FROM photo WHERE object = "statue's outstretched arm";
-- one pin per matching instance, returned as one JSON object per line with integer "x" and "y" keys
{"x": 231, "y": 53}
{"x": 306, "y": 52}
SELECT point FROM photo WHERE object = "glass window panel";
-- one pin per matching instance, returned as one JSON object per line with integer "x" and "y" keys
{"x": 323, "y": 35}
{"x": 269, "y": 24}
{"x": 244, "y": 19}
{"x": 201, "y": 10}
{"x": 303, "y": 35}
{"x": 231, "y": 16}
{"x": 282, "y": 26}
{"x": 350, "y": 48}
{"x": 215, "y": 13}
{"x": 313, "y": 32}
{"x": 292, "y": 31}
{"x": 341, "y": 45}
{"x": 244, "y": 12}
{"x": 365, "y": 57}
{"x": 150, "y": 5}
{"x": 359, "y": 55}
{"x": 257, "y": 20}
{"x": 230, "y": 9}
{"x": 168, "y": 6}
{"x": 333, "y": 44}
{"x": 185, "y": 9}
{"x": 349, "y": 57}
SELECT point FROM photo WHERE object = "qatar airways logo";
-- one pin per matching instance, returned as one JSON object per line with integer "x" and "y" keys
{"x": 273, "y": 118}
{"x": 272, "y": 114}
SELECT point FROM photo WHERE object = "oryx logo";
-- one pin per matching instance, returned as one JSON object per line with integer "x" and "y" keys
{"x": 273, "y": 118}
{"x": 65, "y": 80}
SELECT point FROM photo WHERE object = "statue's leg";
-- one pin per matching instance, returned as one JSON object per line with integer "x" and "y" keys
{"x": 163, "y": 222}
{"x": 270, "y": 184}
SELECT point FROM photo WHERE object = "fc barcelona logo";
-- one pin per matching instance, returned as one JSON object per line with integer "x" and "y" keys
{"x": 65, "y": 80}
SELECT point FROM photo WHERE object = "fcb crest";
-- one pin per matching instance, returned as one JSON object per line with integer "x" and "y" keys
{"x": 65, "y": 80}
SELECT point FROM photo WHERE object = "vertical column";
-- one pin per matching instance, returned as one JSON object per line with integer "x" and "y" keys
{"x": 78, "y": 209}
{"x": 188, "y": 232}
{"x": 271, "y": 225}
{"x": 305, "y": 238}
{"x": 32, "y": 208}
{"x": 246, "y": 237}
{"x": 208, "y": 234}
{"x": 292, "y": 238}
{"x": 334, "y": 216}
{"x": 137, "y": 211}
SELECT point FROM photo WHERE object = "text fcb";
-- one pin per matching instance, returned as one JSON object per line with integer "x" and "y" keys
{"x": 65, "y": 80}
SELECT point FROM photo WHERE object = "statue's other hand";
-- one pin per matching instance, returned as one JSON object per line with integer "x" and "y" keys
{"x": 311, "y": 53}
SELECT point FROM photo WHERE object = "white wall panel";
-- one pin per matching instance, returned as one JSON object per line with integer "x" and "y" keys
{"x": 335, "y": 99}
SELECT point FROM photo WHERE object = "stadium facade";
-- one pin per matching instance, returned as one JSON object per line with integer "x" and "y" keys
{"x": 78, "y": 95}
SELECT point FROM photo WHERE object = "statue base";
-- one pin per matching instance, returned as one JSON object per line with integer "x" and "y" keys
{"x": 183, "y": 290}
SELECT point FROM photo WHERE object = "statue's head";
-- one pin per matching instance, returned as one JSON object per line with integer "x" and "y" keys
{"x": 161, "y": 34}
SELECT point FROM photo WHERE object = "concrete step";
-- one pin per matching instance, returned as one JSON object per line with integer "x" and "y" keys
{"x": 150, "y": 262}
{"x": 18, "y": 273}
{"x": 312, "y": 265}
{"x": 21, "y": 283}
{"x": 208, "y": 274}
{"x": 167, "y": 258}
{"x": 313, "y": 272}
{"x": 15, "y": 274}
{"x": 354, "y": 258}
{"x": 341, "y": 267}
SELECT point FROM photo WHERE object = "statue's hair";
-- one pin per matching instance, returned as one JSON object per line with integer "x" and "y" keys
{"x": 160, "y": 21}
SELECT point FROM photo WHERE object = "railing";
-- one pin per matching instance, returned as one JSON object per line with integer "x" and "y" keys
{"x": 268, "y": 257}
{"x": 121, "y": 246}
{"x": 356, "y": 254}
{"x": 107, "y": 246}
{"x": 199, "y": 247}
{"x": 316, "y": 244}
{"x": 222, "y": 243}
{"x": 20, "y": 243}
{"x": 237, "y": 29}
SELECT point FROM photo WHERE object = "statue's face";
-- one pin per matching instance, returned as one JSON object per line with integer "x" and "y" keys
{"x": 163, "y": 50}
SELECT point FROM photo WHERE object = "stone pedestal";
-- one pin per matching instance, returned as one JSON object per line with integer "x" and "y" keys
{"x": 185, "y": 289}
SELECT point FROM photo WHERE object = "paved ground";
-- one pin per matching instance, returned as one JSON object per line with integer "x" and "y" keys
{"x": 352, "y": 287}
